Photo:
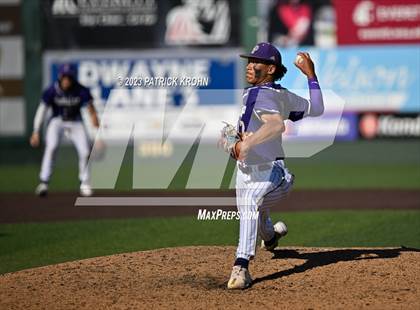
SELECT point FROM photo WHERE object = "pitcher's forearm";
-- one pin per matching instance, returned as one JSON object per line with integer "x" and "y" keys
{"x": 315, "y": 94}
{"x": 268, "y": 131}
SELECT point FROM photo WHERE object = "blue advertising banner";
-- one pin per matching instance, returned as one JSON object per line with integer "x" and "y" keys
{"x": 178, "y": 73}
{"x": 369, "y": 78}
{"x": 160, "y": 92}
{"x": 340, "y": 127}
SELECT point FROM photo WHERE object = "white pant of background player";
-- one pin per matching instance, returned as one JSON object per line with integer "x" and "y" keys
{"x": 76, "y": 132}
{"x": 257, "y": 189}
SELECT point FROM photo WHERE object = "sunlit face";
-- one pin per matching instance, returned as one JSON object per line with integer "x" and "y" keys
{"x": 66, "y": 83}
{"x": 258, "y": 72}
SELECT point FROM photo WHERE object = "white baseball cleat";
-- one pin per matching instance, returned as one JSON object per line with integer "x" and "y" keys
{"x": 280, "y": 230}
{"x": 239, "y": 278}
{"x": 42, "y": 189}
{"x": 86, "y": 190}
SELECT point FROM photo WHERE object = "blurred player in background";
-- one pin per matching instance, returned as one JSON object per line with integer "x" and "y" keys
{"x": 66, "y": 97}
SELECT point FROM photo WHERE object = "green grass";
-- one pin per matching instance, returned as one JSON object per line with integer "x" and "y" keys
{"x": 36, "y": 244}
{"x": 359, "y": 165}
{"x": 356, "y": 176}
{"x": 308, "y": 176}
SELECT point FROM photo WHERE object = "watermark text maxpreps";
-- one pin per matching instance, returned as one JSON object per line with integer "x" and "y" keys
{"x": 219, "y": 214}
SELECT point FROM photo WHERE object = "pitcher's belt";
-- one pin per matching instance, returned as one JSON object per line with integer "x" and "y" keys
{"x": 258, "y": 167}
{"x": 254, "y": 168}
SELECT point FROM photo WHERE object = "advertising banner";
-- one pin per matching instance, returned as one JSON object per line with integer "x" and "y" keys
{"x": 321, "y": 128}
{"x": 388, "y": 125}
{"x": 152, "y": 90}
{"x": 378, "y": 21}
{"x": 12, "y": 105}
{"x": 368, "y": 78}
{"x": 87, "y": 24}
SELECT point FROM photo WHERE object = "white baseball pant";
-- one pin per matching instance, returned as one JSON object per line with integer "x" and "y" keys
{"x": 76, "y": 132}
{"x": 258, "y": 191}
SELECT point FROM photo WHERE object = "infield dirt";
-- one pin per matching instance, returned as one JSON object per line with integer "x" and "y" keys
{"x": 196, "y": 277}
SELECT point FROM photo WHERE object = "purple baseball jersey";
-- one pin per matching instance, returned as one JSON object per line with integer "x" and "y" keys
{"x": 267, "y": 99}
{"x": 67, "y": 104}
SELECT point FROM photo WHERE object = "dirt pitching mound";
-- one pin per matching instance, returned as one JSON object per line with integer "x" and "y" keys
{"x": 196, "y": 277}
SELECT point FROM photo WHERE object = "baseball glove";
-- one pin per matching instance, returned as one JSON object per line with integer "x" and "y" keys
{"x": 230, "y": 140}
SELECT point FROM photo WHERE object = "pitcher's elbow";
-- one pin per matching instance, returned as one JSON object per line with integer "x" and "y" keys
{"x": 281, "y": 128}
{"x": 318, "y": 111}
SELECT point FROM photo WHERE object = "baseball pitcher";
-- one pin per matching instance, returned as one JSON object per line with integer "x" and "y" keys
{"x": 65, "y": 97}
{"x": 262, "y": 177}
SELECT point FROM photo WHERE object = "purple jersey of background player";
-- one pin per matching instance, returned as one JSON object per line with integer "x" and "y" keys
{"x": 273, "y": 98}
{"x": 67, "y": 104}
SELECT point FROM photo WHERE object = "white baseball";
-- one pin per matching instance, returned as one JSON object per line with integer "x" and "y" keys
{"x": 298, "y": 59}
{"x": 280, "y": 228}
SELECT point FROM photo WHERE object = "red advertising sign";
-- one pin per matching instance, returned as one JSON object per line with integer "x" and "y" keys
{"x": 378, "y": 21}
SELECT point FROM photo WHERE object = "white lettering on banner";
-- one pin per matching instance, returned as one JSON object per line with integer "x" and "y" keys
{"x": 92, "y": 73}
{"x": 120, "y": 98}
{"x": 398, "y": 13}
{"x": 367, "y": 12}
{"x": 94, "y": 13}
{"x": 88, "y": 75}
{"x": 388, "y": 33}
{"x": 399, "y": 126}
{"x": 363, "y": 13}
{"x": 368, "y": 101}
{"x": 137, "y": 98}
{"x": 148, "y": 98}
{"x": 132, "y": 5}
{"x": 71, "y": 7}
{"x": 357, "y": 77}
{"x": 140, "y": 68}
{"x": 64, "y": 7}
{"x": 108, "y": 71}
{"x": 317, "y": 128}
{"x": 179, "y": 68}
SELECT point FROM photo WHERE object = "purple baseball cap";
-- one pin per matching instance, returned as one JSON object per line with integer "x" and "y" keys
{"x": 266, "y": 52}
{"x": 67, "y": 70}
